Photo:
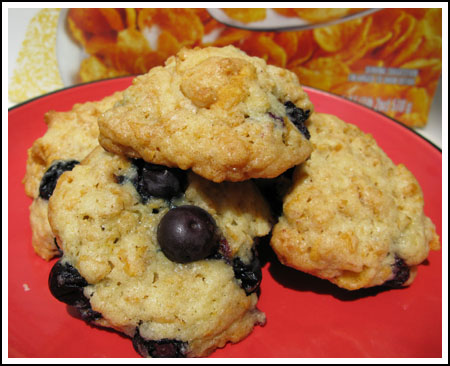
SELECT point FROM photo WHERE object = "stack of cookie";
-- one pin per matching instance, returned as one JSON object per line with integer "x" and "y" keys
{"x": 155, "y": 198}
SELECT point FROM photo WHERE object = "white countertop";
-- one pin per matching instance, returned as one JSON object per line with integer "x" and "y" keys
{"x": 433, "y": 129}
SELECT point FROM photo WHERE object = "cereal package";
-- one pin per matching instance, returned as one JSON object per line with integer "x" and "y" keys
{"x": 387, "y": 59}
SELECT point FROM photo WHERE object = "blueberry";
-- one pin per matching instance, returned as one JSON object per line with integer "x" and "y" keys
{"x": 86, "y": 312}
{"x": 223, "y": 252}
{"x": 298, "y": 117}
{"x": 66, "y": 284}
{"x": 250, "y": 275}
{"x": 401, "y": 273}
{"x": 158, "y": 181}
{"x": 48, "y": 181}
{"x": 160, "y": 348}
{"x": 120, "y": 179}
{"x": 187, "y": 233}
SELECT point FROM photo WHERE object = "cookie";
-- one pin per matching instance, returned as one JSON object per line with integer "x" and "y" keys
{"x": 160, "y": 254}
{"x": 217, "y": 111}
{"x": 70, "y": 137}
{"x": 352, "y": 216}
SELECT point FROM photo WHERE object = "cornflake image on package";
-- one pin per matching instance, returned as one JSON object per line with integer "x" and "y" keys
{"x": 389, "y": 60}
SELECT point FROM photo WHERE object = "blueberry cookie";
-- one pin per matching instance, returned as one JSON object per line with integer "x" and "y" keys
{"x": 70, "y": 137}
{"x": 217, "y": 111}
{"x": 352, "y": 216}
{"x": 160, "y": 254}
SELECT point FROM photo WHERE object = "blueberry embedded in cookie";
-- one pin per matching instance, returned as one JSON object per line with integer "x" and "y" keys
{"x": 136, "y": 270}
{"x": 401, "y": 273}
{"x": 298, "y": 117}
{"x": 187, "y": 233}
{"x": 249, "y": 275}
{"x": 67, "y": 285}
{"x": 162, "y": 348}
{"x": 157, "y": 181}
{"x": 50, "y": 178}
{"x": 352, "y": 216}
{"x": 223, "y": 114}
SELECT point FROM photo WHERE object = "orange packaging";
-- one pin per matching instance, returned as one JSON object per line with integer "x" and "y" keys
{"x": 387, "y": 59}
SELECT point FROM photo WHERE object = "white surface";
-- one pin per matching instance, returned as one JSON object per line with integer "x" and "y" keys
{"x": 18, "y": 20}
{"x": 69, "y": 56}
{"x": 433, "y": 129}
{"x": 68, "y": 53}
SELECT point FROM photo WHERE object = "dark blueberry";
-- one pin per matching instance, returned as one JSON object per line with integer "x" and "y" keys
{"x": 298, "y": 117}
{"x": 187, "y": 233}
{"x": 48, "y": 181}
{"x": 160, "y": 348}
{"x": 66, "y": 284}
{"x": 250, "y": 274}
{"x": 223, "y": 251}
{"x": 158, "y": 181}
{"x": 224, "y": 248}
{"x": 401, "y": 274}
{"x": 120, "y": 179}
{"x": 86, "y": 312}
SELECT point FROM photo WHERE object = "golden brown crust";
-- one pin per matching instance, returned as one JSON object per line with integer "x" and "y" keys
{"x": 71, "y": 135}
{"x": 42, "y": 237}
{"x": 210, "y": 110}
{"x": 351, "y": 211}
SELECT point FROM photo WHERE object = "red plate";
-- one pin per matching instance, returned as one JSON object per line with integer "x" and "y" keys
{"x": 306, "y": 316}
